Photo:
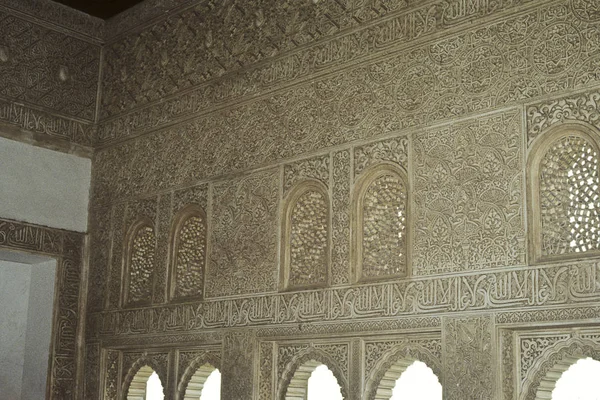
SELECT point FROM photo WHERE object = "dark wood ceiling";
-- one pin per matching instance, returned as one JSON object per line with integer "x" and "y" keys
{"x": 100, "y": 8}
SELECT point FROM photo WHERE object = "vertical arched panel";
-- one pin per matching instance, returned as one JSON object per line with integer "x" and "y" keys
{"x": 139, "y": 263}
{"x": 306, "y": 237}
{"x": 381, "y": 213}
{"x": 564, "y": 191}
{"x": 188, "y": 254}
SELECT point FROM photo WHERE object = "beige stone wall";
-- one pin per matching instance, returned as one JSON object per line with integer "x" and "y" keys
{"x": 274, "y": 118}
{"x": 285, "y": 136}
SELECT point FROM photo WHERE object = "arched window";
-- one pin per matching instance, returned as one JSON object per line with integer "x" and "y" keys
{"x": 313, "y": 381}
{"x": 188, "y": 254}
{"x": 204, "y": 384}
{"x": 581, "y": 381}
{"x": 381, "y": 224}
{"x": 563, "y": 368}
{"x": 139, "y": 258}
{"x": 405, "y": 379}
{"x": 212, "y": 386}
{"x": 306, "y": 237}
{"x": 417, "y": 382}
{"x": 323, "y": 385}
{"x": 564, "y": 193}
{"x": 145, "y": 385}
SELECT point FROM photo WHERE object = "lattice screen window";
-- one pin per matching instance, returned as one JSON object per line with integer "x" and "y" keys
{"x": 306, "y": 244}
{"x": 568, "y": 195}
{"x": 140, "y": 268}
{"x": 188, "y": 259}
{"x": 381, "y": 224}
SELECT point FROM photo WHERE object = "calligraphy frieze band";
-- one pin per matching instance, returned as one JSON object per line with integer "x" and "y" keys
{"x": 531, "y": 287}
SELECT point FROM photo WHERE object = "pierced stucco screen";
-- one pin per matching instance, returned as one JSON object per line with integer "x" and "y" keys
{"x": 570, "y": 197}
{"x": 189, "y": 255}
{"x": 381, "y": 218}
{"x": 140, "y": 260}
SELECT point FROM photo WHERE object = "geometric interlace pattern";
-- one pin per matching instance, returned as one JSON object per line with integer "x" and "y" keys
{"x": 569, "y": 197}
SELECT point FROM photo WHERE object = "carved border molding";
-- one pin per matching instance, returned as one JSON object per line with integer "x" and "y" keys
{"x": 359, "y": 43}
{"x": 583, "y": 107}
{"x": 59, "y": 15}
{"x": 351, "y": 327}
{"x": 508, "y": 289}
{"x": 68, "y": 250}
{"x": 548, "y": 315}
{"x": 556, "y": 359}
{"x": 45, "y": 123}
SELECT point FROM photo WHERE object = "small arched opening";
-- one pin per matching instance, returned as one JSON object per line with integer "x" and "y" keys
{"x": 204, "y": 384}
{"x": 313, "y": 380}
{"x": 145, "y": 385}
{"x": 580, "y": 381}
{"x": 417, "y": 382}
{"x": 409, "y": 379}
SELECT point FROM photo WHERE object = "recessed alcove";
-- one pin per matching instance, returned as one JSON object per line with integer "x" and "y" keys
{"x": 27, "y": 299}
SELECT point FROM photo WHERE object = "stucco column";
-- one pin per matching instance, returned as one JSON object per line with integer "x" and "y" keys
{"x": 468, "y": 358}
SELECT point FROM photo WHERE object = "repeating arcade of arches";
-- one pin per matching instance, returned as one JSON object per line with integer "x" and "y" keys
{"x": 293, "y": 384}
{"x": 191, "y": 385}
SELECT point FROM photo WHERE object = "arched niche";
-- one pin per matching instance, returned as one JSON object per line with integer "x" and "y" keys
{"x": 562, "y": 169}
{"x": 293, "y": 384}
{"x": 382, "y": 379}
{"x": 139, "y": 263}
{"x": 134, "y": 385}
{"x": 193, "y": 379}
{"x": 306, "y": 230}
{"x": 187, "y": 255}
{"x": 541, "y": 379}
{"x": 380, "y": 224}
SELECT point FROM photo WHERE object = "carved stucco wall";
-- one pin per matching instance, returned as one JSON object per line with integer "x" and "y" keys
{"x": 50, "y": 71}
{"x": 231, "y": 106}
{"x": 247, "y": 104}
